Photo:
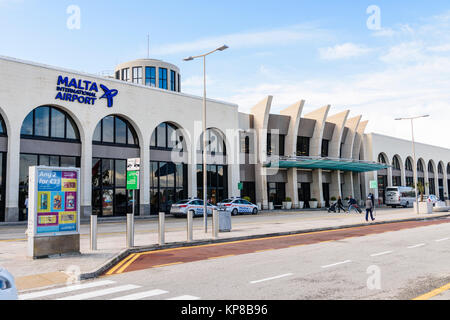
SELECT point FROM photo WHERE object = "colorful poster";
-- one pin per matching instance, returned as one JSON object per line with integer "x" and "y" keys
{"x": 56, "y": 203}
{"x": 70, "y": 201}
{"x": 44, "y": 201}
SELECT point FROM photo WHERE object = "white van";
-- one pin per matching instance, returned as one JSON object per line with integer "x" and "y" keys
{"x": 400, "y": 196}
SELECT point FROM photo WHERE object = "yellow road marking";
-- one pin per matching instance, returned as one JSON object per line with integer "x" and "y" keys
{"x": 230, "y": 255}
{"x": 137, "y": 255}
{"x": 117, "y": 266}
{"x": 168, "y": 264}
{"x": 264, "y": 250}
{"x": 433, "y": 293}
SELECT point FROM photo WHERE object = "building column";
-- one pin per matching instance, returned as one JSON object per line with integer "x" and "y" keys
{"x": 316, "y": 190}
{"x": 86, "y": 179}
{"x": 427, "y": 181}
{"x": 292, "y": 187}
{"x": 356, "y": 187}
{"x": 389, "y": 177}
{"x": 192, "y": 173}
{"x": 12, "y": 176}
{"x": 261, "y": 186}
{"x": 335, "y": 185}
{"x": 144, "y": 180}
{"x": 348, "y": 185}
{"x": 233, "y": 180}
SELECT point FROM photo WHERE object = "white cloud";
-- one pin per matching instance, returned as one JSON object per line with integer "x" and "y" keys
{"x": 343, "y": 51}
{"x": 404, "y": 52}
{"x": 283, "y": 36}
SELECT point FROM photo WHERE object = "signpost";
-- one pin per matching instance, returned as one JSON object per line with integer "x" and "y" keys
{"x": 54, "y": 211}
{"x": 133, "y": 169}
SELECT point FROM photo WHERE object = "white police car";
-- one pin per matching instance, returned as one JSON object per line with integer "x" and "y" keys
{"x": 181, "y": 208}
{"x": 238, "y": 206}
{"x": 8, "y": 289}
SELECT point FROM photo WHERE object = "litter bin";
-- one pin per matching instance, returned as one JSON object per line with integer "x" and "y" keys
{"x": 224, "y": 221}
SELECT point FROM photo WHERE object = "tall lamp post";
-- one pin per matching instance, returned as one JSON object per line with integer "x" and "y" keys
{"x": 414, "y": 154}
{"x": 205, "y": 187}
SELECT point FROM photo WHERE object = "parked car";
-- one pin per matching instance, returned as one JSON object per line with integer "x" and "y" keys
{"x": 181, "y": 208}
{"x": 400, "y": 196}
{"x": 238, "y": 206}
{"x": 8, "y": 289}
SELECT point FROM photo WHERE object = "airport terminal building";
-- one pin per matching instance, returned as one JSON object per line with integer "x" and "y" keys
{"x": 55, "y": 117}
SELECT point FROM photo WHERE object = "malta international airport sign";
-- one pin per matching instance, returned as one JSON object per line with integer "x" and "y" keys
{"x": 53, "y": 211}
{"x": 83, "y": 91}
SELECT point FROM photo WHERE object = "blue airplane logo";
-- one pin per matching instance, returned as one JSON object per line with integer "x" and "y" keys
{"x": 109, "y": 94}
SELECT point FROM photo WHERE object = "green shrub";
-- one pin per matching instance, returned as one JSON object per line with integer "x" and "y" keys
{"x": 288, "y": 199}
{"x": 333, "y": 199}
{"x": 247, "y": 198}
{"x": 313, "y": 199}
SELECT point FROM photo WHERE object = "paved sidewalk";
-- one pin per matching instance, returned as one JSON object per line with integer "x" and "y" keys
{"x": 31, "y": 274}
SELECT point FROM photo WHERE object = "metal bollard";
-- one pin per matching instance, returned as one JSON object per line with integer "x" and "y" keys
{"x": 161, "y": 229}
{"x": 190, "y": 225}
{"x": 215, "y": 224}
{"x": 93, "y": 232}
{"x": 130, "y": 230}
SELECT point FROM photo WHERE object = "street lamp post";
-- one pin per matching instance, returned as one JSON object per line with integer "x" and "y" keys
{"x": 204, "y": 154}
{"x": 414, "y": 155}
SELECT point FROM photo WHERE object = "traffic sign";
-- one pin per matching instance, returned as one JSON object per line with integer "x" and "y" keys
{"x": 132, "y": 180}
{"x": 134, "y": 164}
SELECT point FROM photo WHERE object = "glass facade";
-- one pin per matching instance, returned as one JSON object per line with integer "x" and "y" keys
{"x": 114, "y": 130}
{"x": 167, "y": 137}
{"x": 109, "y": 194}
{"x": 217, "y": 182}
{"x": 276, "y": 193}
{"x": 137, "y": 75}
{"x": 275, "y": 144}
{"x": 303, "y": 146}
{"x": 304, "y": 193}
{"x": 29, "y": 160}
{"x": 168, "y": 184}
{"x": 150, "y": 76}
{"x": 126, "y": 74}
{"x": 215, "y": 145}
{"x": 163, "y": 78}
{"x": 173, "y": 79}
{"x": 324, "y": 150}
{"x": 49, "y": 123}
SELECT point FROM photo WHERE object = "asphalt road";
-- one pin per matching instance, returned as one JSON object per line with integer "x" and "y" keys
{"x": 401, "y": 264}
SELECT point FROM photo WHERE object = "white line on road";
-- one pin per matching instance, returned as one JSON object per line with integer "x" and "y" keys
{"x": 184, "y": 298}
{"x": 52, "y": 292}
{"x": 440, "y": 240}
{"x": 272, "y": 278}
{"x": 417, "y": 246}
{"x": 142, "y": 295}
{"x": 381, "y": 253}
{"x": 100, "y": 293}
{"x": 336, "y": 264}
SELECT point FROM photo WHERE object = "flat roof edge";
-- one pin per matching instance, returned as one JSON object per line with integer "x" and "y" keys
{"x": 85, "y": 74}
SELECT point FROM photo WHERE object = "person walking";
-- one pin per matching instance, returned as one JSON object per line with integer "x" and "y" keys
{"x": 352, "y": 204}
{"x": 340, "y": 205}
{"x": 369, "y": 209}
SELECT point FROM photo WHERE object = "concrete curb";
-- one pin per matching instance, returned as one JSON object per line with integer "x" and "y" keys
{"x": 124, "y": 253}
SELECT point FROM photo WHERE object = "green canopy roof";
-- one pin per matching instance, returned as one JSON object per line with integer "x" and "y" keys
{"x": 326, "y": 164}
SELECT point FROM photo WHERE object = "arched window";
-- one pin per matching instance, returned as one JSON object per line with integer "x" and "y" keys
{"x": 215, "y": 144}
{"x": 167, "y": 137}
{"x": 430, "y": 167}
{"x": 396, "y": 163}
{"x": 49, "y": 123}
{"x": 382, "y": 159}
{"x": 3, "y": 132}
{"x": 440, "y": 169}
{"x": 448, "y": 169}
{"x": 115, "y": 130}
{"x": 408, "y": 165}
{"x": 420, "y": 166}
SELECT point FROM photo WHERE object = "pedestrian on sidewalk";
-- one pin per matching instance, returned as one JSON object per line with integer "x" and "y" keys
{"x": 352, "y": 204}
{"x": 369, "y": 209}
{"x": 340, "y": 205}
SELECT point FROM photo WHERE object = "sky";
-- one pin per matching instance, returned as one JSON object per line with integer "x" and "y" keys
{"x": 383, "y": 64}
